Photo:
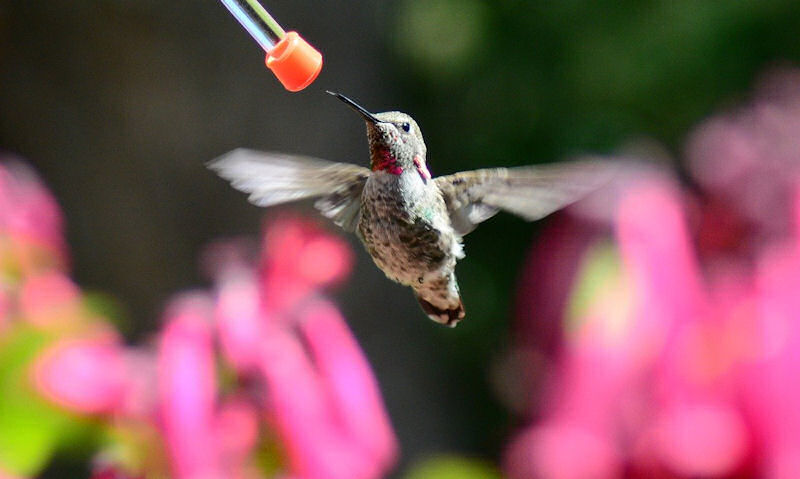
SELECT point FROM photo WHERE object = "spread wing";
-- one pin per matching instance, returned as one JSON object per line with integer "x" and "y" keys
{"x": 531, "y": 192}
{"x": 274, "y": 178}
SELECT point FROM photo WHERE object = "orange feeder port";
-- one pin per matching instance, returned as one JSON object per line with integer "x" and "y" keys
{"x": 294, "y": 62}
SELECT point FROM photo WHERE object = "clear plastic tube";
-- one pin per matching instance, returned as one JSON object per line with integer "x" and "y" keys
{"x": 257, "y": 21}
{"x": 292, "y": 60}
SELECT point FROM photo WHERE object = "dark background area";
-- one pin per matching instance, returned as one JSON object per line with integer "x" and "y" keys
{"x": 118, "y": 104}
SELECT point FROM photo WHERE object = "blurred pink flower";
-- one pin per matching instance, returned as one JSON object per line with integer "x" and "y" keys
{"x": 353, "y": 391}
{"x": 187, "y": 388}
{"x": 320, "y": 395}
{"x": 298, "y": 257}
{"x": 239, "y": 318}
{"x": 750, "y": 158}
{"x": 297, "y": 407}
{"x": 82, "y": 374}
{"x": 266, "y": 359}
{"x": 561, "y": 451}
{"x": 640, "y": 379}
{"x": 324, "y": 403}
{"x": 236, "y": 432}
{"x": 29, "y": 215}
{"x": 770, "y": 390}
{"x": 48, "y": 299}
{"x": 276, "y": 330}
{"x": 31, "y": 241}
{"x": 680, "y": 357}
{"x": 140, "y": 396}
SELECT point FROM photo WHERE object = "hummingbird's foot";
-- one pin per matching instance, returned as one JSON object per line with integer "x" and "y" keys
{"x": 452, "y": 323}
{"x": 449, "y": 317}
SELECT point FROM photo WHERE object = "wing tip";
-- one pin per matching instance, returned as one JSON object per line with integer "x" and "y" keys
{"x": 219, "y": 163}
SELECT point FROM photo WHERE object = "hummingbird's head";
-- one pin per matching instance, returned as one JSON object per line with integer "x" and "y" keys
{"x": 395, "y": 141}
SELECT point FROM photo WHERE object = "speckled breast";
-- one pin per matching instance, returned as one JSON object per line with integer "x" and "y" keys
{"x": 398, "y": 229}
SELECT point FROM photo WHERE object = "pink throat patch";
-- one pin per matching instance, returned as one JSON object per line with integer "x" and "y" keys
{"x": 387, "y": 163}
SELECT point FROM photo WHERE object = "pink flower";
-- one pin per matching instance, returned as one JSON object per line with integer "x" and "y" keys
{"x": 239, "y": 318}
{"x": 187, "y": 388}
{"x": 82, "y": 374}
{"x": 706, "y": 440}
{"x": 325, "y": 406}
{"x": 141, "y": 393}
{"x": 290, "y": 367}
{"x": 298, "y": 257}
{"x": 769, "y": 387}
{"x": 679, "y": 356}
{"x": 321, "y": 395}
{"x": 29, "y": 215}
{"x": 750, "y": 158}
{"x": 236, "y": 433}
{"x": 275, "y": 329}
{"x": 49, "y": 299}
{"x": 353, "y": 391}
{"x": 561, "y": 451}
{"x": 297, "y": 408}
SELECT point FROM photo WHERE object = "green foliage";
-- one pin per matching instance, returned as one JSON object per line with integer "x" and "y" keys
{"x": 445, "y": 467}
{"x": 31, "y": 429}
{"x": 456, "y": 27}
{"x": 521, "y": 82}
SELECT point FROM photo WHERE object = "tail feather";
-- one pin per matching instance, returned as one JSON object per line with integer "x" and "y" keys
{"x": 449, "y": 316}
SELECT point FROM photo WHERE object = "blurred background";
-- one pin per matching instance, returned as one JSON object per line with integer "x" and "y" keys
{"x": 118, "y": 104}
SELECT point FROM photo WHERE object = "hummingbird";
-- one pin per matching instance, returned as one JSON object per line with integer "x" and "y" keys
{"x": 411, "y": 224}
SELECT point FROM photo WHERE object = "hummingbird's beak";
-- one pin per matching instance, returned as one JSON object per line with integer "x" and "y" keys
{"x": 355, "y": 106}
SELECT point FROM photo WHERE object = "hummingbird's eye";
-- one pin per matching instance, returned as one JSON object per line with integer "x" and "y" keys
{"x": 406, "y": 127}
